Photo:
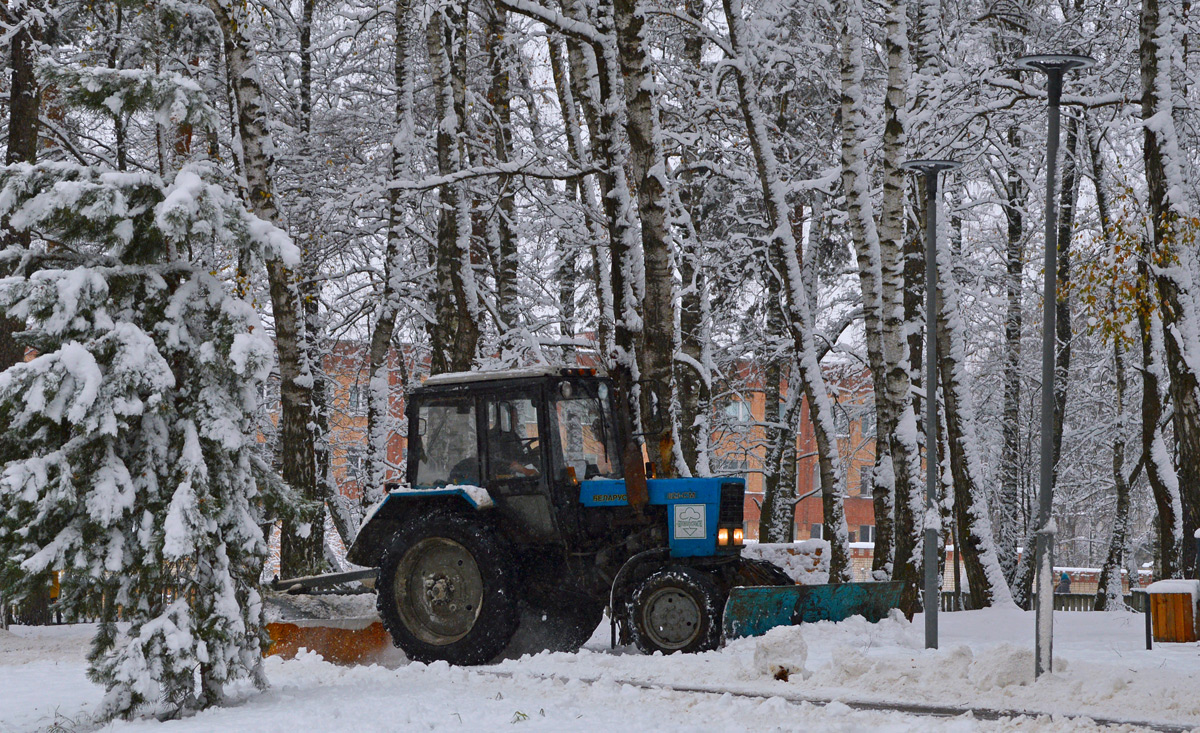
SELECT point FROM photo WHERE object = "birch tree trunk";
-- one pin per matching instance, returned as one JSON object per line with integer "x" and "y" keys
{"x": 302, "y": 539}
{"x": 454, "y": 334}
{"x": 656, "y": 354}
{"x": 897, "y": 465}
{"x": 1173, "y": 259}
{"x": 900, "y": 425}
{"x": 860, "y": 213}
{"x": 800, "y": 319}
{"x": 380, "y": 421}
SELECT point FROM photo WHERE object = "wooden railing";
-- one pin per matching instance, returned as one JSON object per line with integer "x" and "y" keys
{"x": 1062, "y": 601}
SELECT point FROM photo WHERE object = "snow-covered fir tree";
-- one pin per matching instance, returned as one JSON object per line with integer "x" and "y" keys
{"x": 129, "y": 452}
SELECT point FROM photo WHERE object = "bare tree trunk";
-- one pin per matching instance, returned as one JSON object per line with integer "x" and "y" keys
{"x": 380, "y": 421}
{"x": 1062, "y": 320}
{"x": 985, "y": 578}
{"x": 1010, "y": 526}
{"x": 1160, "y": 471}
{"x": 692, "y": 374}
{"x": 1174, "y": 264}
{"x": 777, "y": 517}
{"x": 656, "y": 354}
{"x": 24, "y": 104}
{"x": 800, "y": 320}
{"x": 500, "y": 228}
{"x": 302, "y": 543}
{"x": 1109, "y": 593}
{"x": 566, "y": 80}
{"x": 454, "y": 335}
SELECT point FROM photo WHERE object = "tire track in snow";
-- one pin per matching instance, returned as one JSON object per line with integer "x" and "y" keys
{"x": 917, "y": 709}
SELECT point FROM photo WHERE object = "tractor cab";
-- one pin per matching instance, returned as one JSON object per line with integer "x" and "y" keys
{"x": 524, "y": 427}
{"x": 529, "y": 437}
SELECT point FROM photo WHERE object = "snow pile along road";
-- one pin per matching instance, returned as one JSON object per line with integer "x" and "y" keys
{"x": 986, "y": 662}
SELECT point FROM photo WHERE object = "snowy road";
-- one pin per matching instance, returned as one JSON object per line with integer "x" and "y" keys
{"x": 985, "y": 662}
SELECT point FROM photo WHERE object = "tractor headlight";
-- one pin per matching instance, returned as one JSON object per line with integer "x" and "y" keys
{"x": 722, "y": 536}
{"x": 738, "y": 536}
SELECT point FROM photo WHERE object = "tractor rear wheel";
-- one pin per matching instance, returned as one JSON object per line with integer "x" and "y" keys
{"x": 445, "y": 590}
{"x": 676, "y": 609}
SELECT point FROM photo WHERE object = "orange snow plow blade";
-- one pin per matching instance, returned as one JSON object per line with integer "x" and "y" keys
{"x": 341, "y": 641}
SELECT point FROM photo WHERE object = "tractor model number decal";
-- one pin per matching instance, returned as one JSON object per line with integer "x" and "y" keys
{"x": 689, "y": 522}
{"x": 681, "y": 495}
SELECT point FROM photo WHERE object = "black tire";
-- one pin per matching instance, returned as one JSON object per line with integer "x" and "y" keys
{"x": 464, "y": 611}
{"x": 676, "y": 609}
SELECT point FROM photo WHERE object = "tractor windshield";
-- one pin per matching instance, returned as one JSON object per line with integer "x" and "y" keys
{"x": 583, "y": 411}
{"x": 448, "y": 452}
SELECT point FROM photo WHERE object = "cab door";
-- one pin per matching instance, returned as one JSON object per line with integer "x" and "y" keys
{"x": 515, "y": 462}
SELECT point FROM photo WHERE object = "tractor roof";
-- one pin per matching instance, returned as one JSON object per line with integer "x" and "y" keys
{"x": 450, "y": 378}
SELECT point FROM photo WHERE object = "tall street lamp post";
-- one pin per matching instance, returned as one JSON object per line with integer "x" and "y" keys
{"x": 1054, "y": 66}
{"x": 930, "y": 170}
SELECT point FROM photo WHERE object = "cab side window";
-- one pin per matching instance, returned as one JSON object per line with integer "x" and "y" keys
{"x": 449, "y": 452}
{"x": 513, "y": 444}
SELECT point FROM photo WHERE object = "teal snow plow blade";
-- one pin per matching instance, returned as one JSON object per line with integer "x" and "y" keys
{"x": 755, "y": 610}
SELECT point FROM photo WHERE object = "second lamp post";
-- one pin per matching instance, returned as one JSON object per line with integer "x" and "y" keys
{"x": 930, "y": 170}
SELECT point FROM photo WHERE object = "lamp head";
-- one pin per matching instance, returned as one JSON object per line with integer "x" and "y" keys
{"x": 1051, "y": 62}
{"x": 930, "y": 166}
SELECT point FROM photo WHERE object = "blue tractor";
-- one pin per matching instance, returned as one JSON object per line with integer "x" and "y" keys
{"x": 526, "y": 506}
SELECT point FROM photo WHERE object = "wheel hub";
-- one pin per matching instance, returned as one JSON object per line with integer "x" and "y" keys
{"x": 438, "y": 590}
{"x": 672, "y": 618}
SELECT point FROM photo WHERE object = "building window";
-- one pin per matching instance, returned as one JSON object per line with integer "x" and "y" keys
{"x": 866, "y": 533}
{"x": 853, "y": 537}
{"x": 815, "y": 532}
{"x": 354, "y": 464}
{"x": 730, "y": 465}
{"x": 864, "y": 484}
{"x": 357, "y": 401}
{"x": 738, "y": 411}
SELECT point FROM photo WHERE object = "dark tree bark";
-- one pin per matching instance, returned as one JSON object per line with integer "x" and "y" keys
{"x": 1109, "y": 591}
{"x": 24, "y": 105}
{"x": 454, "y": 333}
{"x": 301, "y": 551}
{"x": 1068, "y": 195}
{"x": 1179, "y": 317}
{"x": 1011, "y": 529}
{"x": 500, "y": 230}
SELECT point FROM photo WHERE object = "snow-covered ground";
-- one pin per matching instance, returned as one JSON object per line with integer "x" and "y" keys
{"x": 985, "y": 662}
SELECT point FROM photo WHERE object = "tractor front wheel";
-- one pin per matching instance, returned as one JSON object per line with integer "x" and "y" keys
{"x": 445, "y": 590}
{"x": 676, "y": 609}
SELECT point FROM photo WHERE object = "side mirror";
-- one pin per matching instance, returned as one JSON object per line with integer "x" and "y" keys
{"x": 420, "y": 426}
